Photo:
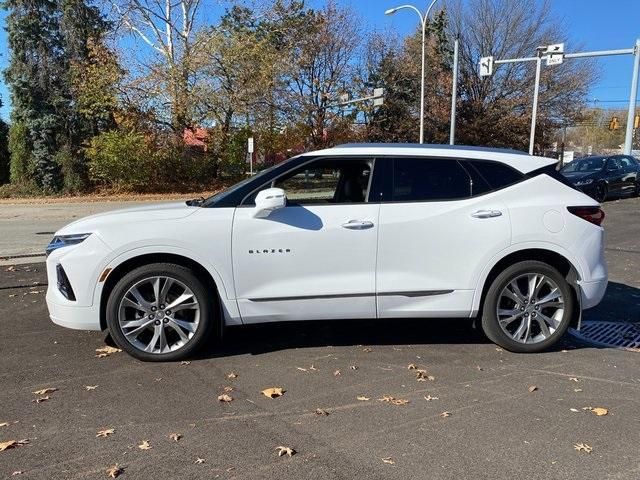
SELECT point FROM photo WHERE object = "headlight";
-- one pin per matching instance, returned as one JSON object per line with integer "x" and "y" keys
{"x": 60, "y": 241}
{"x": 580, "y": 183}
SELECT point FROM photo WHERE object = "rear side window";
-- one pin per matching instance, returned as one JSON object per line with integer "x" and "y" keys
{"x": 426, "y": 179}
{"x": 497, "y": 175}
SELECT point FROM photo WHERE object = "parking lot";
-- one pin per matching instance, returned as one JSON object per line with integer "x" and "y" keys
{"x": 397, "y": 399}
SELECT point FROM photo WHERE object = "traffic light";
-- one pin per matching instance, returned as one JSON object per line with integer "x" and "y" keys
{"x": 614, "y": 124}
{"x": 636, "y": 122}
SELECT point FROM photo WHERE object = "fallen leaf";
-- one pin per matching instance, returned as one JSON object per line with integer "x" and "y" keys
{"x": 428, "y": 398}
{"x": 114, "y": 471}
{"x": 12, "y": 444}
{"x": 532, "y": 388}
{"x": 573, "y": 379}
{"x": 285, "y": 451}
{"x": 479, "y": 368}
{"x": 575, "y": 410}
{"x": 411, "y": 366}
{"x": 445, "y": 414}
{"x": 105, "y": 433}
{"x": 583, "y": 447}
{"x": 106, "y": 351}
{"x": 577, "y": 390}
{"x": 389, "y": 460}
{"x": 199, "y": 461}
{"x": 10, "y": 269}
{"x": 353, "y": 367}
{"x": 393, "y": 400}
{"x": 145, "y": 445}
{"x": 228, "y": 389}
{"x": 90, "y": 387}
{"x": 225, "y": 398}
{"x": 498, "y": 349}
{"x": 44, "y": 391}
{"x": 175, "y": 436}
{"x": 362, "y": 398}
{"x": 232, "y": 375}
{"x": 312, "y": 367}
{"x": 273, "y": 392}
{"x": 41, "y": 399}
{"x": 17, "y": 472}
{"x": 302, "y": 369}
{"x": 366, "y": 350}
{"x": 12, "y": 295}
{"x": 336, "y": 373}
{"x": 185, "y": 362}
{"x": 320, "y": 411}
{"x": 599, "y": 411}
{"x": 4, "y": 424}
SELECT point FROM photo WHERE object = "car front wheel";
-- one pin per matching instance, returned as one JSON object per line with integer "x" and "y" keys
{"x": 600, "y": 193}
{"x": 528, "y": 307}
{"x": 160, "y": 312}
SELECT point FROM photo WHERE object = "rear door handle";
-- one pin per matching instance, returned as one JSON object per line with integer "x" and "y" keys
{"x": 486, "y": 214}
{"x": 357, "y": 224}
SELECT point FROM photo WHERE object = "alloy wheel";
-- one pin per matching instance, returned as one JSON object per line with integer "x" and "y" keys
{"x": 600, "y": 193}
{"x": 530, "y": 308}
{"x": 159, "y": 314}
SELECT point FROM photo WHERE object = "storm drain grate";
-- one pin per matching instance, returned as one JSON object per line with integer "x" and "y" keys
{"x": 610, "y": 334}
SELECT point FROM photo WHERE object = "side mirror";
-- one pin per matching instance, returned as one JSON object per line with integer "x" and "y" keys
{"x": 269, "y": 200}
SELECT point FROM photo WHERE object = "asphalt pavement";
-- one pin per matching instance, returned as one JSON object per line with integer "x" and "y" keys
{"x": 478, "y": 412}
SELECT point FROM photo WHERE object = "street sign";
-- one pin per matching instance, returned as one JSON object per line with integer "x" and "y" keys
{"x": 486, "y": 66}
{"x": 555, "y": 54}
{"x": 378, "y": 97}
{"x": 250, "y": 145}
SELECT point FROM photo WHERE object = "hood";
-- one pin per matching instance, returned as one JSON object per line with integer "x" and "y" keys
{"x": 575, "y": 176}
{"x": 138, "y": 215}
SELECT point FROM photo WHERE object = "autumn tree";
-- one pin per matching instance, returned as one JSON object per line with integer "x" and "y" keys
{"x": 496, "y": 110}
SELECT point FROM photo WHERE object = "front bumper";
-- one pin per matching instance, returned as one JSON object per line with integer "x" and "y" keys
{"x": 82, "y": 265}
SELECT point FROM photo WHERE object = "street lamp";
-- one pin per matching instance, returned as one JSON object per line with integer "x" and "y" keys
{"x": 423, "y": 22}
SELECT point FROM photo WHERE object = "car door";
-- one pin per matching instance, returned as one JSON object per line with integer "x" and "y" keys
{"x": 629, "y": 178}
{"x": 315, "y": 258}
{"x": 437, "y": 228}
{"x": 614, "y": 175}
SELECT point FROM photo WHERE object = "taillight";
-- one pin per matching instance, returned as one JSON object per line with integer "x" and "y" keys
{"x": 593, "y": 215}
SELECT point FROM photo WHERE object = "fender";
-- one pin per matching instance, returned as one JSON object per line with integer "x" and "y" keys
{"x": 229, "y": 305}
{"x": 477, "y": 296}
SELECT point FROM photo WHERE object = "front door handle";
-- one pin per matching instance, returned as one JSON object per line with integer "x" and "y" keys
{"x": 486, "y": 214}
{"x": 357, "y": 224}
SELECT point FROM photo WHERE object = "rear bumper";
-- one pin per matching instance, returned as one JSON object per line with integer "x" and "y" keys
{"x": 592, "y": 292}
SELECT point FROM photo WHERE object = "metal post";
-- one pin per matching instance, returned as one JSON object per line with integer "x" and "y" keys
{"x": 454, "y": 94}
{"x": 628, "y": 139}
{"x": 424, "y": 29}
{"x": 534, "y": 113}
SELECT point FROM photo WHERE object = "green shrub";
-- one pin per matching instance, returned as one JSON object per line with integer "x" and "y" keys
{"x": 22, "y": 167}
{"x": 74, "y": 171}
{"x": 4, "y": 153}
{"x": 121, "y": 160}
{"x": 15, "y": 190}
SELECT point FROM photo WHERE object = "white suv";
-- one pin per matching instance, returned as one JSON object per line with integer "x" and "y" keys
{"x": 356, "y": 231}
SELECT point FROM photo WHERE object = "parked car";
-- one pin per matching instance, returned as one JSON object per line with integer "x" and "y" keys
{"x": 605, "y": 176}
{"x": 355, "y": 231}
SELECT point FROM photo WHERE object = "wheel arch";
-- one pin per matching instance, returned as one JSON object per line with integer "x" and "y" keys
{"x": 145, "y": 259}
{"x": 557, "y": 260}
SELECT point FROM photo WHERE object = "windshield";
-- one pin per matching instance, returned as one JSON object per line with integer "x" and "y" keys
{"x": 592, "y": 164}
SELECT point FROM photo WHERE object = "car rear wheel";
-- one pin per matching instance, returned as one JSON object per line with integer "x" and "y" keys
{"x": 600, "y": 193}
{"x": 528, "y": 307}
{"x": 160, "y": 312}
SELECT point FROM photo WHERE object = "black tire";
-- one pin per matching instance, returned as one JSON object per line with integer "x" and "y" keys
{"x": 207, "y": 303}
{"x": 490, "y": 324}
{"x": 600, "y": 193}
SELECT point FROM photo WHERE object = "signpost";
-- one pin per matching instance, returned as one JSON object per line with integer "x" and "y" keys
{"x": 250, "y": 153}
{"x": 554, "y": 55}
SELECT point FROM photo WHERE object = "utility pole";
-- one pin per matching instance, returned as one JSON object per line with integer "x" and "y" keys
{"x": 536, "y": 90}
{"x": 633, "y": 97}
{"x": 454, "y": 93}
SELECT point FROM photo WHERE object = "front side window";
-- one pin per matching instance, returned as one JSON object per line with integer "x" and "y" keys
{"x": 326, "y": 181}
{"x": 429, "y": 179}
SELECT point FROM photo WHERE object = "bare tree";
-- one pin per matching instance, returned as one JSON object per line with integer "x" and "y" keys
{"x": 168, "y": 28}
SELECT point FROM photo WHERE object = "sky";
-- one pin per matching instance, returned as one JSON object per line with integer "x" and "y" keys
{"x": 594, "y": 24}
